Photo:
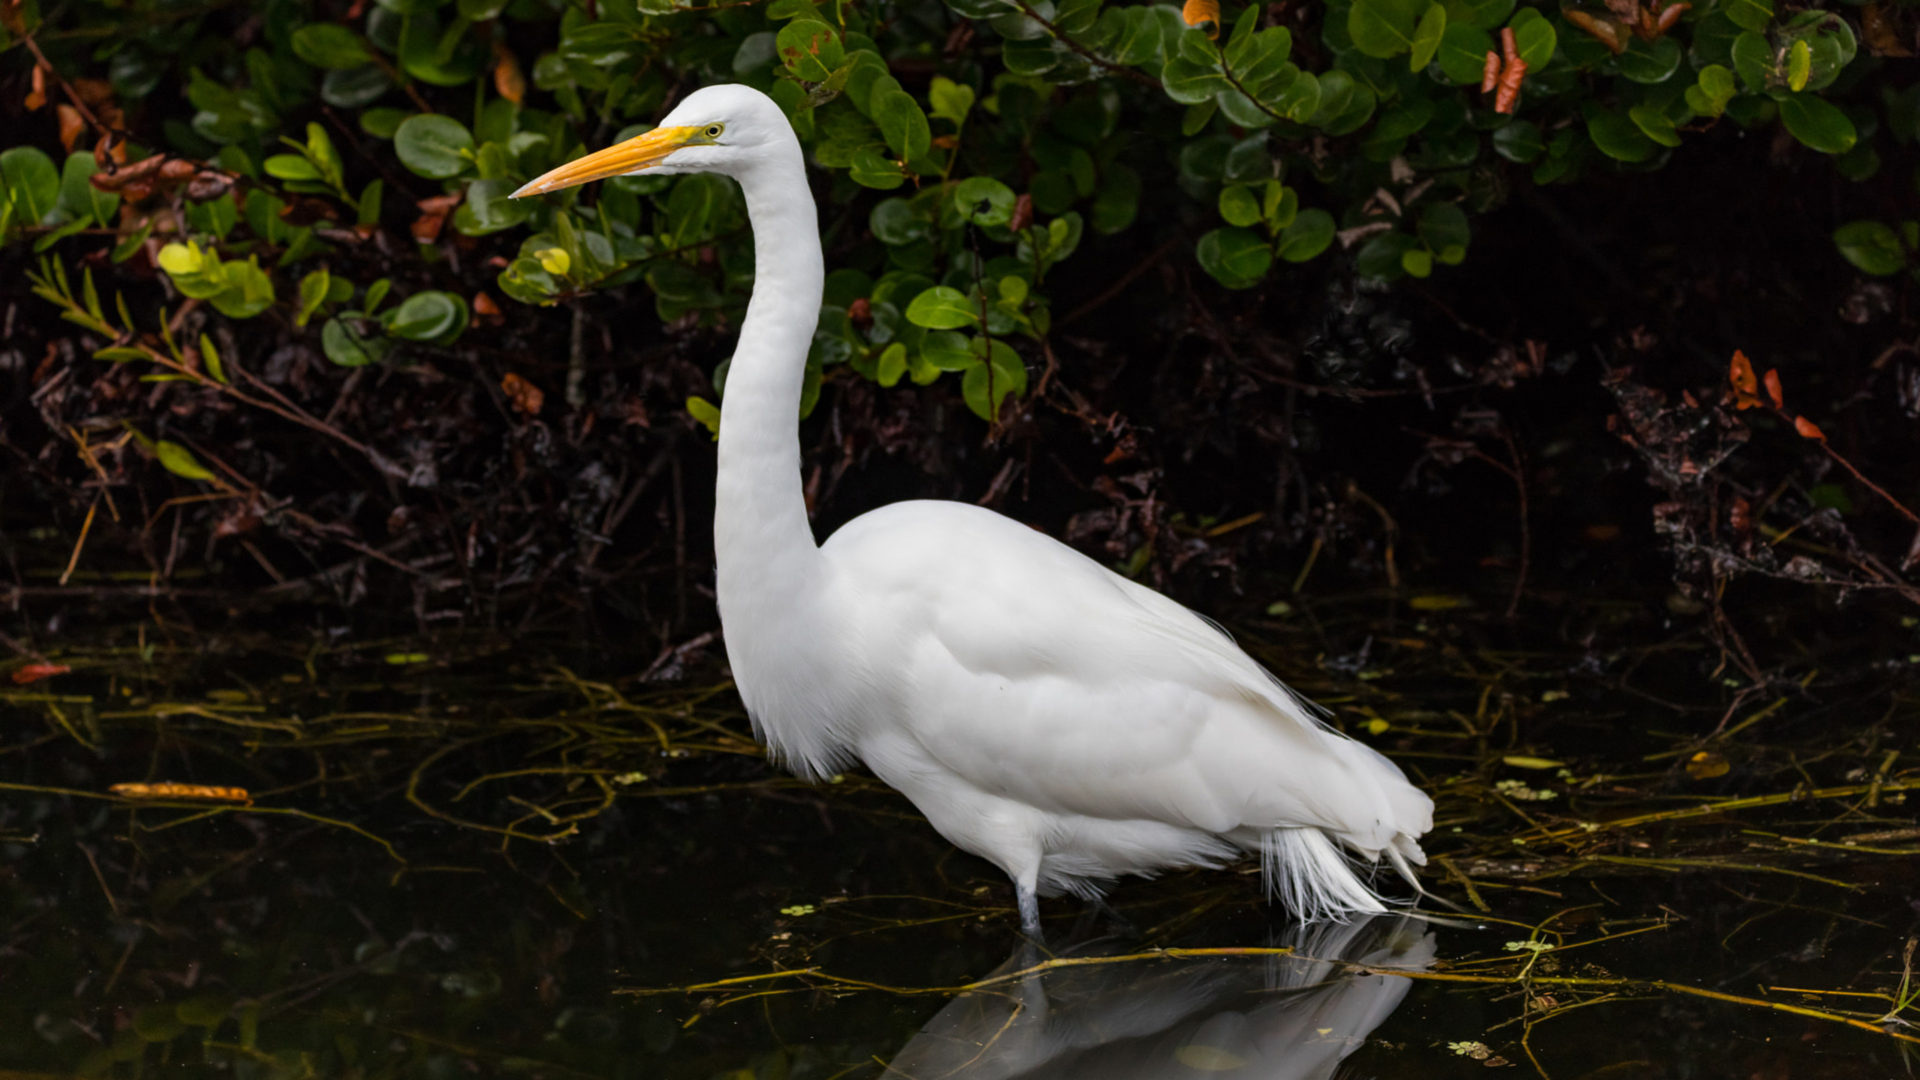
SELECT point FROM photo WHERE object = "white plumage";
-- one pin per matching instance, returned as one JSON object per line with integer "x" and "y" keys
{"x": 1043, "y": 712}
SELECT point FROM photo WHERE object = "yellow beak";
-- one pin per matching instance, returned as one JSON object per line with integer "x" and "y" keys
{"x": 640, "y": 152}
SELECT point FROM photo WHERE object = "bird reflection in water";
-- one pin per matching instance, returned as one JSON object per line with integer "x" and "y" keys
{"x": 1279, "y": 1018}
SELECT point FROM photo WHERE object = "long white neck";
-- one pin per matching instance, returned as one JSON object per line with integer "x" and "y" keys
{"x": 763, "y": 543}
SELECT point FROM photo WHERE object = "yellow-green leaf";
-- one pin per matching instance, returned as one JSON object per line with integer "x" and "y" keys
{"x": 706, "y": 412}
{"x": 210, "y": 356}
{"x": 1799, "y": 65}
{"x": 180, "y": 461}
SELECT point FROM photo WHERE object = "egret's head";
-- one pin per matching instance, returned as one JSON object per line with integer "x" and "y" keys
{"x": 724, "y": 129}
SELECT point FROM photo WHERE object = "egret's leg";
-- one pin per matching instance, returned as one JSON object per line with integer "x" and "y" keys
{"x": 1029, "y": 908}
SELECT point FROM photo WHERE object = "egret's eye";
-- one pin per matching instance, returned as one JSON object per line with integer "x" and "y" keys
{"x": 713, "y": 130}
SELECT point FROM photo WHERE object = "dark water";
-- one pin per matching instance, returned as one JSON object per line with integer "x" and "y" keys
{"x": 465, "y": 858}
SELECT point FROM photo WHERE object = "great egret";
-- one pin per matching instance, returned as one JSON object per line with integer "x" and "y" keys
{"x": 1043, "y": 712}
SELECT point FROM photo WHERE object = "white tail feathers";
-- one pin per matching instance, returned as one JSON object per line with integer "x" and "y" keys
{"x": 1306, "y": 869}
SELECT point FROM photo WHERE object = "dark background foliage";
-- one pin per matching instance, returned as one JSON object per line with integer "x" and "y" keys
{"x": 310, "y": 355}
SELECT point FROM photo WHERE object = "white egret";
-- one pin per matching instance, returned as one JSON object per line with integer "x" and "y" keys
{"x": 1043, "y": 712}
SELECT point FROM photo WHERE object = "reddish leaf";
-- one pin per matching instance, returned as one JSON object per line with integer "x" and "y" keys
{"x": 1808, "y": 429}
{"x": 507, "y": 78}
{"x": 525, "y": 396}
{"x": 1022, "y": 214}
{"x": 1196, "y": 12}
{"x": 1740, "y": 374}
{"x": 1508, "y": 99}
{"x": 36, "y": 97}
{"x": 1509, "y": 51}
{"x": 131, "y": 174}
{"x": 433, "y": 216}
{"x": 1740, "y": 515}
{"x": 30, "y": 673}
{"x": 1668, "y": 16}
{"x": 1490, "y": 74}
{"x": 1608, "y": 32}
{"x": 1773, "y": 389}
{"x": 72, "y": 127}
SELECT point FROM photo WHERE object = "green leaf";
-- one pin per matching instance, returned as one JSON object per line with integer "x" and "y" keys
{"x": 1617, "y": 137}
{"x": 382, "y": 123}
{"x": 443, "y": 56}
{"x": 1190, "y": 82}
{"x": 983, "y": 200}
{"x": 327, "y": 45}
{"x": 891, "y": 365}
{"x": 291, "y": 167}
{"x": 181, "y": 260}
{"x": 1533, "y": 38}
{"x": 1817, "y": 123}
{"x": 434, "y": 146}
{"x": 29, "y": 185}
{"x": 706, "y": 412}
{"x": 987, "y": 385}
{"x": 1830, "y": 43}
{"x": 355, "y": 88}
{"x": 1417, "y": 262}
{"x": 210, "y": 356}
{"x": 487, "y": 208}
{"x": 1748, "y": 14}
{"x": 1312, "y": 230}
{"x": 810, "y": 49}
{"x": 367, "y": 212}
{"x": 942, "y": 308}
{"x": 951, "y": 101}
{"x": 1239, "y": 206}
{"x": 946, "y": 350}
{"x": 1463, "y": 53}
{"x": 1485, "y": 14}
{"x": 1650, "y": 63}
{"x": 1519, "y": 141}
{"x": 315, "y": 289}
{"x": 1654, "y": 124}
{"x": 180, "y": 461}
{"x": 1871, "y": 246}
{"x": 248, "y": 290}
{"x": 79, "y": 198}
{"x": 431, "y": 315}
{"x": 1753, "y": 60}
{"x": 902, "y": 123}
{"x": 347, "y": 348}
{"x": 870, "y": 169}
{"x": 1384, "y": 256}
{"x": 1237, "y": 258}
{"x": 1715, "y": 87}
{"x": 1427, "y": 35}
{"x": 1384, "y": 28}
{"x": 1444, "y": 230}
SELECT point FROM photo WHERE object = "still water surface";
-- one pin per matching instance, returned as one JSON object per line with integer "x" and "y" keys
{"x": 470, "y": 857}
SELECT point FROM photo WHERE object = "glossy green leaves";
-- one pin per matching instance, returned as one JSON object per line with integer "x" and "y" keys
{"x": 1874, "y": 247}
{"x": 1386, "y": 28}
{"x": 434, "y": 146}
{"x": 237, "y": 289}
